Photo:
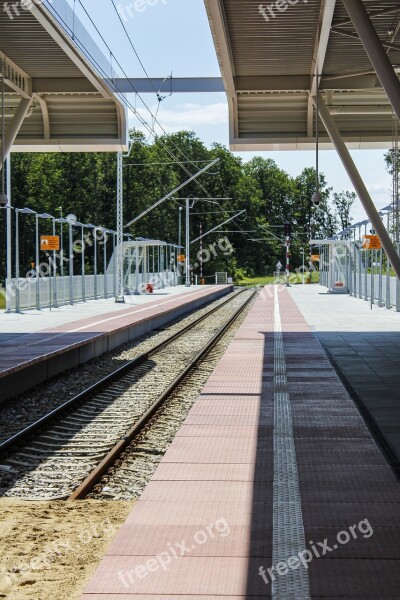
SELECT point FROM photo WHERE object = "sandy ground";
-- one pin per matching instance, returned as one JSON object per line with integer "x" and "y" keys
{"x": 48, "y": 550}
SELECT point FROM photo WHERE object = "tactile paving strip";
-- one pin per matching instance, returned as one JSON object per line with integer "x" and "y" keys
{"x": 288, "y": 532}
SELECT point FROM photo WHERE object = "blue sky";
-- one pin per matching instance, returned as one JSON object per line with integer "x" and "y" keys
{"x": 174, "y": 36}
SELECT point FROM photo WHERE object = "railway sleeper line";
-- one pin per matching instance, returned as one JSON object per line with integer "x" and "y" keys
{"x": 35, "y": 465}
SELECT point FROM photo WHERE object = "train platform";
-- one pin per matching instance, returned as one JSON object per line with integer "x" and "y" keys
{"x": 273, "y": 487}
{"x": 364, "y": 345}
{"x": 37, "y": 345}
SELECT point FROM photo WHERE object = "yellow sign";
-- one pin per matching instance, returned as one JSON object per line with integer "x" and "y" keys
{"x": 181, "y": 258}
{"x": 371, "y": 242}
{"x": 315, "y": 257}
{"x": 50, "y": 242}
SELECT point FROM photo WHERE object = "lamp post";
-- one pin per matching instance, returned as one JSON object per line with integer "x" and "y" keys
{"x": 387, "y": 210}
{"x": 187, "y": 258}
{"x": 23, "y": 211}
{"x": 9, "y": 240}
{"x": 55, "y": 297}
{"x": 37, "y": 269}
{"x": 366, "y": 266}
{"x": 71, "y": 220}
{"x": 179, "y": 240}
{"x": 95, "y": 263}
{"x": 61, "y": 221}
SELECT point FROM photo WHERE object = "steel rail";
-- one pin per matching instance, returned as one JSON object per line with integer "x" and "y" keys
{"x": 87, "y": 486}
{"x": 88, "y": 393}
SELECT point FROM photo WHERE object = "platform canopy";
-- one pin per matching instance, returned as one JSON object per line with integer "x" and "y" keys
{"x": 269, "y": 54}
{"x": 56, "y": 95}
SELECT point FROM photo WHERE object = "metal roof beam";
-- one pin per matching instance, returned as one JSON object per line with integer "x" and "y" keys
{"x": 374, "y": 14}
{"x": 320, "y": 49}
{"x": 354, "y": 36}
{"x": 361, "y": 110}
{"x": 374, "y": 48}
{"x": 301, "y": 83}
{"x": 176, "y": 85}
{"x": 220, "y": 31}
{"x": 62, "y": 85}
{"x": 41, "y": 14}
{"x": 14, "y": 77}
{"x": 244, "y": 84}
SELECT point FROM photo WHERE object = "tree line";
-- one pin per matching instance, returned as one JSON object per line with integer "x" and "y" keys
{"x": 85, "y": 184}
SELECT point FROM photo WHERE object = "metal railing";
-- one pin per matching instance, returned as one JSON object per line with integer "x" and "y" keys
{"x": 364, "y": 274}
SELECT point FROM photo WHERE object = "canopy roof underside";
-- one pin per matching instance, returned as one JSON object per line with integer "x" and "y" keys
{"x": 73, "y": 108}
{"x": 268, "y": 62}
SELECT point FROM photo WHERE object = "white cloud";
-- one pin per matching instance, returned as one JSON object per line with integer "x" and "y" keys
{"x": 185, "y": 116}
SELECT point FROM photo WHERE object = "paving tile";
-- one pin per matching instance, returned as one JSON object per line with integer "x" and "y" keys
{"x": 356, "y": 579}
{"x": 210, "y": 472}
{"x": 220, "y": 467}
{"x": 219, "y": 538}
{"x": 229, "y": 431}
{"x": 184, "y": 575}
{"x": 208, "y": 491}
{"x": 164, "y": 597}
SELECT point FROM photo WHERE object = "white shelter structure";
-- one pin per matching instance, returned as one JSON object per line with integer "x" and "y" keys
{"x": 147, "y": 262}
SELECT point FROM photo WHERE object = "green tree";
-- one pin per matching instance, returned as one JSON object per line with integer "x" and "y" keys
{"x": 343, "y": 203}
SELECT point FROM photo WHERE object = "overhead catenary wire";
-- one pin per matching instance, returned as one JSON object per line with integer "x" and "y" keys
{"x": 132, "y": 46}
{"x": 123, "y": 98}
{"x": 174, "y": 162}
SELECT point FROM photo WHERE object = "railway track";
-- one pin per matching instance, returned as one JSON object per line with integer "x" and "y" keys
{"x": 79, "y": 440}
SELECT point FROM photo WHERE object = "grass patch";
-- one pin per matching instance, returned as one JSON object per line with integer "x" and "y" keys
{"x": 268, "y": 280}
{"x": 251, "y": 281}
{"x": 2, "y": 302}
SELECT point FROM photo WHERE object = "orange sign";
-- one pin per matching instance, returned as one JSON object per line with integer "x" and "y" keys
{"x": 181, "y": 258}
{"x": 315, "y": 257}
{"x": 50, "y": 242}
{"x": 371, "y": 242}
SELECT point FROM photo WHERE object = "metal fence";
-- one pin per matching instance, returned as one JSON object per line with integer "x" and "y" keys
{"x": 364, "y": 274}
{"x": 51, "y": 292}
{"x": 42, "y": 292}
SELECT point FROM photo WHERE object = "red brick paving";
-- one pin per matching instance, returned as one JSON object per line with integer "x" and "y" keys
{"x": 219, "y": 469}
